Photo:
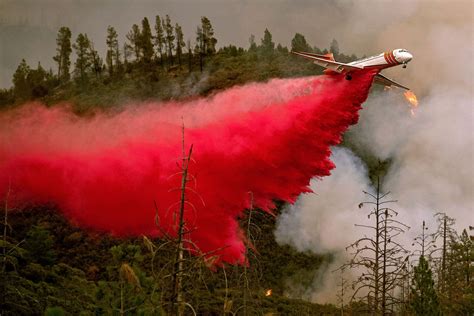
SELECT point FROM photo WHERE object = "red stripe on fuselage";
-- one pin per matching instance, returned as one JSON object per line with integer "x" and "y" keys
{"x": 395, "y": 62}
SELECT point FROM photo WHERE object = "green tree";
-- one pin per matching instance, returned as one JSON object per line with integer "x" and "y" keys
{"x": 63, "y": 53}
{"x": 281, "y": 49}
{"x": 113, "y": 52}
{"x": 127, "y": 52}
{"x": 20, "y": 83}
{"x": 134, "y": 41}
{"x": 82, "y": 46}
{"x": 179, "y": 42}
{"x": 159, "y": 38}
{"x": 458, "y": 293}
{"x": 298, "y": 43}
{"x": 41, "y": 81}
{"x": 123, "y": 293}
{"x": 424, "y": 300}
{"x": 199, "y": 48}
{"x": 190, "y": 55}
{"x": 31, "y": 83}
{"x": 267, "y": 44}
{"x": 169, "y": 37}
{"x": 96, "y": 61}
{"x": 39, "y": 244}
{"x": 209, "y": 40}
{"x": 146, "y": 45}
{"x": 253, "y": 45}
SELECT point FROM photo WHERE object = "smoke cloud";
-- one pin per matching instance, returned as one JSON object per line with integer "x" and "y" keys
{"x": 324, "y": 223}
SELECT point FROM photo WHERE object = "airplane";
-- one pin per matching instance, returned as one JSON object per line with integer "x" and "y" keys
{"x": 385, "y": 60}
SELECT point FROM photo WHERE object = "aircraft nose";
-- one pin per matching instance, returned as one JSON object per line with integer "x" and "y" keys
{"x": 402, "y": 56}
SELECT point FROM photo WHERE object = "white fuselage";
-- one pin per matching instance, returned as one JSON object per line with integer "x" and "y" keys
{"x": 385, "y": 60}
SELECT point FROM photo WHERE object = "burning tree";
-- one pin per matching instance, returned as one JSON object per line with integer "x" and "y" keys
{"x": 381, "y": 258}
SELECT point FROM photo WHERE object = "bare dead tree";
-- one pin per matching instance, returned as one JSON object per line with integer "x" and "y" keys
{"x": 6, "y": 226}
{"x": 189, "y": 262}
{"x": 447, "y": 234}
{"x": 245, "y": 275}
{"x": 379, "y": 255}
{"x": 251, "y": 272}
{"x": 425, "y": 242}
{"x": 178, "y": 269}
{"x": 11, "y": 251}
{"x": 405, "y": 287}
{"x": 341, "y": 294}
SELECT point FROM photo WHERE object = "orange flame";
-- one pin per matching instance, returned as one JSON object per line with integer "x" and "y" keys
{"x": 268, "y": 292}
{"x": 411, "y": 97}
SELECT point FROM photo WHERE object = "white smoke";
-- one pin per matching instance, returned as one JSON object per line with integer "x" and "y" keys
{"x": 324, "y": 222}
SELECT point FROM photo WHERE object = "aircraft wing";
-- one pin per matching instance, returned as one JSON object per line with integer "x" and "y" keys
{"x": 381, "y": 79}
{"x": 328, "y": 63}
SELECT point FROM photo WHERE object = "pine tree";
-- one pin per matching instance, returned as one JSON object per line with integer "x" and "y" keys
{"x": 190, "y": 55}
{"x": 39, "y": 81}
{"x": 20, "y": 83}
{"x": 134, "y": 38}
{"x": 458, "y": 295}
{"x": 267, "y": 44}
{"x": 63, "y": 49}
{"x": 179, "y": 42}
{"x": 169, "y": 37}
{"x": 159, "y": 38}
{"x": 199, "y": 48}
{"x": 127, "y": 52}
{"x": 209, "y": 40}
{"x": 253, "y": 45}
{"x": 95, "y": 60}
{"x": 298, "y": 43}
{"x": 424, "y": 299}
{"x": 109, "y": 62}
{"x": 39, "y": 244}
{"x": 113, "y": 53}
{"x": 83, "y": 61}
{"x": 146, "y": 45}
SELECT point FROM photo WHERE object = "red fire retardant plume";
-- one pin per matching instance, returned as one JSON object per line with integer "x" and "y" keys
{"x": 105, "y": 172}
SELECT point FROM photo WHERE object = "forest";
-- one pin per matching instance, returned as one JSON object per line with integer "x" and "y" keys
{"x": 50, "y": 266}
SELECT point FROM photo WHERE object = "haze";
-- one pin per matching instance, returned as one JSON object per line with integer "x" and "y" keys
{"x": 28, "y": 28}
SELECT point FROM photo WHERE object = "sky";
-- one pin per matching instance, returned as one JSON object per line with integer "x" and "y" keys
{"x": 28, "y": 28}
